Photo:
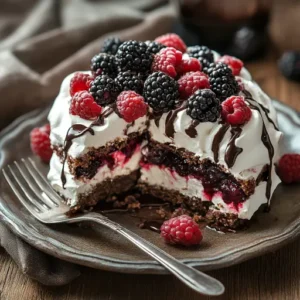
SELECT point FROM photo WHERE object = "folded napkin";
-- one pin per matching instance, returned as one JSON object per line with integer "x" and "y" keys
{"x": 41, "y": 43}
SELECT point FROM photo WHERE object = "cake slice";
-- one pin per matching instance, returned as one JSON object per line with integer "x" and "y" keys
{"x": 192, "y": 129}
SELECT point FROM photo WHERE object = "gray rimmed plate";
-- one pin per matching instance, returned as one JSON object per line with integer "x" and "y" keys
{"x": 100, "y": 248}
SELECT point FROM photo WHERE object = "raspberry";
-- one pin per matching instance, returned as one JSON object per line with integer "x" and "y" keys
{"x": 80, "y": 82}
{"x": 233, "y": 63}
{"x": 154, "y": 47}
{"x": 189, "y": 65}
{"x": 222, "y": 81}
{"x": 104, "y": 90}
{"x": 191, "y": 82}
{"x": 131, "y": 106}
{"x": 104, "y": 64}
{"x": 289, "y": 168}
{"x": 204, "y": 106}
{"x": 134, "y": 56}
{"x": 40, "y": 142}
{"x": 166, "y": 61}
{"x": 84, "y": 106}
{"x": 172, "y": 40}
{"x": 161, "y": 92}
{"x": 182, "y": 230}
{"x": 130, "y": 82}
{"x": 235, "y": 110}
{"x": 111, "y": 45}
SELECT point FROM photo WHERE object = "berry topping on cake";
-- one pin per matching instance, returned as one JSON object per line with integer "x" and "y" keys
{"x": 111, "y": 45}
{"x": 40, "y": 142}
{"x": 191, "y": 82}
{"x": 190, "y": 64}
{"x": 235, "y": 110}
{"x": 166, "y": 61}
{"x": 204, "y": 106}
{"x": 182, "y": 230}
{"x": 131, "y": 106}
{"x": 104, "y": 64}
{"x": 104, "y": 90}
{"x": 222, "y": 81}
{"x": 202, "y": 53}
{"x": 80, "y": 82}
{"x": 233, "y": 63}
{"x": 130, "y": 82}
{"x": 134, "y": 56}
{"x": 161, "y": 92}
{"x": 84, "y": 106}
{"x": 154, "y": 47}
{"x": 172, "y": 40}
{"x": 289, "y": 168}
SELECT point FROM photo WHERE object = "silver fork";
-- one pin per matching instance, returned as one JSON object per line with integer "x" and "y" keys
{"x": 37, "y": 195}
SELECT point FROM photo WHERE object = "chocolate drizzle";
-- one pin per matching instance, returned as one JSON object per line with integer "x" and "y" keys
{"x": 232, "y": 151}
{"x": 78, "y": 130}
{"x": 171, "y": 117}
{"x": 218, "y": 138}
{"x": 191, "y": 130}
{"x": 127, "y": 127}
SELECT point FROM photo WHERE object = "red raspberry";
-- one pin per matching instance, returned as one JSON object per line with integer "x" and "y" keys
{"x": 234, "y": 63}
{"x": 167, "y": 60}
{"x": 191, "y": 82}
{"x": 80, "y": 82}
{"x": 235, "y": 111}
{"x": 172, "y": 40}
{"x": 40, "y": 142}
{"x": 189, "y": 65}
{"x": 84, "y": 105}
{"x": 289, "y": 168}
{"x": 131, "y": 106}
{"x": 182, "y": 230}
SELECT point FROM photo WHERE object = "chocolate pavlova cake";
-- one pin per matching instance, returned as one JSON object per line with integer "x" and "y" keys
{"x": 180, "y": 123}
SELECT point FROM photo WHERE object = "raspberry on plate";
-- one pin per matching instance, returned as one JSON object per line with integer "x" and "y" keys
{"x": 40, "y": 142}
{"x": 182, "y": 230}
{"x": 235, "y": 110}
{"x": 167, "y": 60}
{"x": 84, "y": 106}
{"x": 289, "y": 168}
{"x": 172, "y": 40}
{"x": 189, "y": 65}
{"x": 80, "y": 82}
{"x": 131, "y": 106}
{"x": 233, "y": 63}
{"x": 191, "y": 82}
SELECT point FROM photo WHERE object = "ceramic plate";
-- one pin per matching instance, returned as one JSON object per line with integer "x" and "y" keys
{"x": 101, "y": 248}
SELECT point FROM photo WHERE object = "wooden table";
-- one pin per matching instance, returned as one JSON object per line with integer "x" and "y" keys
{"x": 274, "y": 276}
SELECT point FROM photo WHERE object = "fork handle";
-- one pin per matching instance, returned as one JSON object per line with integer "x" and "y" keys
{"x": 198, "y": 281}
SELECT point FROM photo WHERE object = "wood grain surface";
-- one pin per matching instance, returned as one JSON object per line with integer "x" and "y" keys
{"x": 273, "y": 276}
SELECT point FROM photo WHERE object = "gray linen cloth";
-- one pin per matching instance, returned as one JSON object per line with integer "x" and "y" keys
{"x": 40, "y": 43}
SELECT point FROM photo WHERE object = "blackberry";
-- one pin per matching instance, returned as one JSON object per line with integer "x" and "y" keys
{"x": 111, "y": 45}
{"x": 202, "y": 53}
{"x": 104, "y": 64}
{"x": 222, "y": 81}
{"x": 104, "y": 90}
{"x": 134, "y": 56}
{"x": 154, "y": 47}
{"x": 161, "y": 92}
{"x": 204, "y": 106}
{"x": 130, "y": 82}
{"x": 289, "y": 65}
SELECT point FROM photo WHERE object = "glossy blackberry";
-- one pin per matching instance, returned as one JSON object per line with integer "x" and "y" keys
{"x": 154, "y": 47}
{"x": 130, "y": 82}
{"x": 204, "y": 106}
{"x": 104, "y": 64}
{"x": 161, "y": 92}
{"x": 202, "y": 53}
{"x": 111, "y": 45}
{"x": 104, "y": 90}
{"x": 134, "y": 56}
{"x": 289, "y": 65}
{"x": 222, "y": 81}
